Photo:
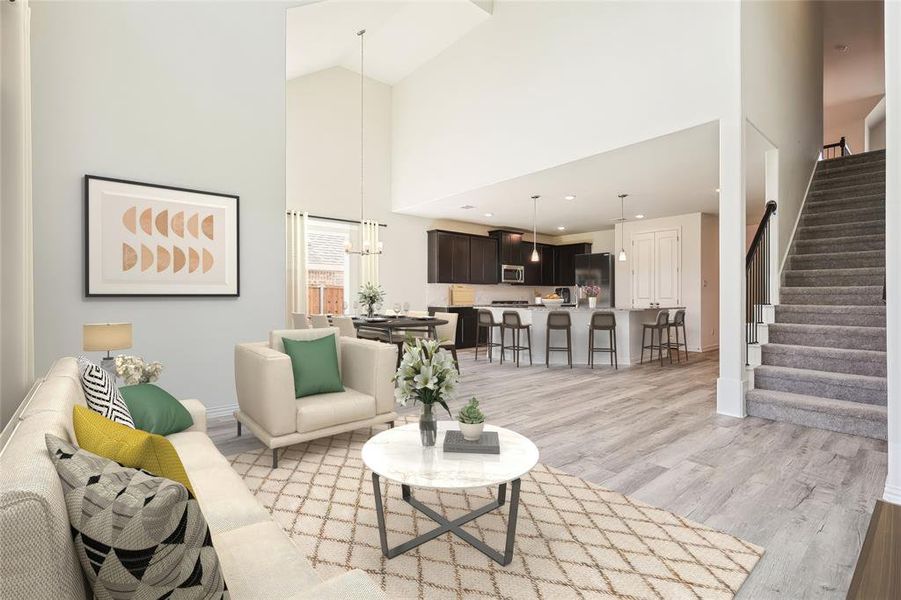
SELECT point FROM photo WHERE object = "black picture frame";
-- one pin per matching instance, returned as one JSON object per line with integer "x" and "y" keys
{"x": 89, "y": 293}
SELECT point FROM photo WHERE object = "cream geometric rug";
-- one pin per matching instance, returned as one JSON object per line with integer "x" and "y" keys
{"x": 573, "y": 538}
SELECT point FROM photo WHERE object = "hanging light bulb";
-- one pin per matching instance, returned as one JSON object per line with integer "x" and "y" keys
{"x": 535, "y": 257}
{"x": 622, "y": 218}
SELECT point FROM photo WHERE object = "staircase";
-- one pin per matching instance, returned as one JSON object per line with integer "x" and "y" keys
{"x": 823, "y": 358}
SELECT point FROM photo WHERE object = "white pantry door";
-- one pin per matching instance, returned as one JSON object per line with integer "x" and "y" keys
{"x": 667, "y": 275}
{"x": 643, "y": 269}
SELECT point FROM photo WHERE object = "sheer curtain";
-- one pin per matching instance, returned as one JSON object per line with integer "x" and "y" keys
{"x": 297, "y": 228}
{"x": 16, "y": 270}
{"x": 369, "y": 234}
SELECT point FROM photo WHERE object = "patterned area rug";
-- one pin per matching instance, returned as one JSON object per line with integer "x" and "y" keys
{"x": 573, "y": 538}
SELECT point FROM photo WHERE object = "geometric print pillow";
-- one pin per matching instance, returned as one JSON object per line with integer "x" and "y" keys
{"x": 137, "y": 536}
{"x": 101, "y": 393}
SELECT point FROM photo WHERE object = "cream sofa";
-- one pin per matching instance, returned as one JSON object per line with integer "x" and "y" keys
{"x": 264, "y": 380}
{"x": 37, "y": 557}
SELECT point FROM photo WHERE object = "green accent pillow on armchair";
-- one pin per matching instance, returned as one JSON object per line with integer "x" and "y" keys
{"x": 154, "y": 409}
{"x": 315, "y": 365}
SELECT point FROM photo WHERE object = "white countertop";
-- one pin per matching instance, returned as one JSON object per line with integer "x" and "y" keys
{"x": 398, "y": 454}
{"x": 584, "y": 308}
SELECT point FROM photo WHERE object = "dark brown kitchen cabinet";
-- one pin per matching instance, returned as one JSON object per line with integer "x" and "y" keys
{"x": 566, "y": 262}
{"x": 548, "y": 256}
{"x": 508, "y": 247}
{"x": 467, "y": 324}
{"x": 448, "y": 257}
{"x": 544, "y": 271}
{"x": 483, "y": 260}
{"x": 532, "y": 271}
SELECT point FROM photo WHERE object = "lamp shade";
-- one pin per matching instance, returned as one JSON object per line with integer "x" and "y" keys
{"x": 106, "y": 336}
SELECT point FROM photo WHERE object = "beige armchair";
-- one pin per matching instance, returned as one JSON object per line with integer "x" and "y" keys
{"x": 264, "y": 381}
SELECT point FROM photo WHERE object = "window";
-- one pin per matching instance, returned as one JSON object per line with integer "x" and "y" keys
{"x": 331, "y": 274}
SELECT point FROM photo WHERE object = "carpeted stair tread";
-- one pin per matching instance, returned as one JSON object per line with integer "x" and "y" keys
{"x": 834, "y": 360}
{"x": 874, "y": 166}
{"x": 828, "y": 336}
{"x": 826, "y": 314}
{"x": 858, "y": 189}
{"x": 853, "y": 159}
{"x": 834, "y": 277}
{"x": 822, "y": 182}
{"x": 852, "y": 243}
{"x": 837, "y": 260}
{"x": 855, "y": 202}
{"x": 837, "y": 295}
{"x": 822, "y": 384}
{"x": 845, "y": 215}
{"x": 835, "y": 415}
{"x": 839, "y": 230}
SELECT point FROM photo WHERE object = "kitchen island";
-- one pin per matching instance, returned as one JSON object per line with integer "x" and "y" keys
{"x": 629, "y": 323}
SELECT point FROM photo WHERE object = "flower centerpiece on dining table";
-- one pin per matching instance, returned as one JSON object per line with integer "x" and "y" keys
{"x": 427, "y": 375}
{"x": 369, "y": 295}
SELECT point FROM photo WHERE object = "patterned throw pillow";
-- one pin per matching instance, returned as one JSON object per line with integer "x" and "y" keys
{"x": 136, "y": 536}
{"x": 101, "y": 393}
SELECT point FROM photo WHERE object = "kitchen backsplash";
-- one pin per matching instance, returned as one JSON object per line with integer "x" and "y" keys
{"x": 438, "y": 294}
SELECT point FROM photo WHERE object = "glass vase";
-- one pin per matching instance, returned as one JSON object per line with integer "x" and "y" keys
{"x": 428, "y": 426}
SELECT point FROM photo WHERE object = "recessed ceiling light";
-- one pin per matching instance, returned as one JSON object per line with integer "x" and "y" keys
{"x": 639, "y": 216}
{"x": 717, "y": 190}
{"x": 467, "y": 206}
{"x": 489, "y": 214}
{"x": 561, "y": 228}
{"x": 570, "y": 197}
{"x": 841, "y": 48}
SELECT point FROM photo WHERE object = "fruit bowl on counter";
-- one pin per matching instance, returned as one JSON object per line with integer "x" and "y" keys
{"x": 552, "y": 300}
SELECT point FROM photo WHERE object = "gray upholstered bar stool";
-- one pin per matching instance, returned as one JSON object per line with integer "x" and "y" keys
{"x": 511, "y": 321}
{"x": 675, "y": 325}
{"x": 486, "y": 321}
{"x": 558, "y": 320}
{"x": 602, "y": 321}
{"x": 659, "y": 326}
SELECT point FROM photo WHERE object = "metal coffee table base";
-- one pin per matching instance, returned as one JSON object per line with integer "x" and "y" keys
{"x": 454, "y": 526}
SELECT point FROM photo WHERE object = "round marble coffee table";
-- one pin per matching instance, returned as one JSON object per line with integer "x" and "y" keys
{"x": 398, "y": 455}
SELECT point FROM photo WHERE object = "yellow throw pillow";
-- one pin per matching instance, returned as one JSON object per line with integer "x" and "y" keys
{"x": 129, "y": 447}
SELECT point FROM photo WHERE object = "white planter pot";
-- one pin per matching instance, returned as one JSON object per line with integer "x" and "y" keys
{"x": 472, "y": 431}
{"x": 592, "y": 302}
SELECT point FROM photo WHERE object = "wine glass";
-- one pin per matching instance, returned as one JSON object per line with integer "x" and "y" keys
{"x": 397, "y": 308}
{"x": 406, "y": 307}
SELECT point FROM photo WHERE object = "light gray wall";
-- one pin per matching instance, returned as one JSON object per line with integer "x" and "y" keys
{"x": 184, "y": 94}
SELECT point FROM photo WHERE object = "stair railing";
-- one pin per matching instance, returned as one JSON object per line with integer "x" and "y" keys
{"x": 757, "y": 276}
{"x": 836, "y": 149}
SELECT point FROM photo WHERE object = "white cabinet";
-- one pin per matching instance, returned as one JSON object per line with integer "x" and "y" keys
{"x": 656, "y": 272}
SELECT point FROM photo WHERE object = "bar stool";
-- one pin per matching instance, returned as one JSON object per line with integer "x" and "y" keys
{"x": 558, "y": 320}
{"x": 511, "y": 320}
{"x": 602, "y": 321}
{"x": 486, "y": 321}
{"x": 658, "y": 326}
{"x": 677, "y": 323}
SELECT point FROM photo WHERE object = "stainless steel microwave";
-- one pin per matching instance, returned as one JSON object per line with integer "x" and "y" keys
{"x": 513, "y": 273}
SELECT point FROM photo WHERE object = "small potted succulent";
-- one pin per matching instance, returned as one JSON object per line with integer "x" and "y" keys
{"x": 472, "y": 421}
{"x": 592, "y": 292}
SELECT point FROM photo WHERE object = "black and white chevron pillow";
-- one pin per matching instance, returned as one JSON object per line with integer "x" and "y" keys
{"x": 101, "y": 393}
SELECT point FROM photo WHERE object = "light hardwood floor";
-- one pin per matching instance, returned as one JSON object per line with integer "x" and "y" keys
{"x": 652, "y": 432}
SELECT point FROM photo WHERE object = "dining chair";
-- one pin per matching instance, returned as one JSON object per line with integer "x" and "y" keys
{"x": 320, "y": 321}
{"x": 300, "y": 321}
{"x": 345, "y": 326}
{"x": 447, "y": 334}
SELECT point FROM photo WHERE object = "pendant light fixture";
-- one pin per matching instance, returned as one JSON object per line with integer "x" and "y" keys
{"x": 366, "y": 250}
{"x": 622, "y": 219}
{"x": 535, "y": 257}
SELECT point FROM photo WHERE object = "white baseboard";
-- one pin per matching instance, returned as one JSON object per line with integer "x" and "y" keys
{"x": 221, "y": 411}
{"x": 710, "y": 348}
{"x": 892, "y": 494}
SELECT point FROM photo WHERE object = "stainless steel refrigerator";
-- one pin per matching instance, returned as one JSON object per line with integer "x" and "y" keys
{"x": 598, "y": 269}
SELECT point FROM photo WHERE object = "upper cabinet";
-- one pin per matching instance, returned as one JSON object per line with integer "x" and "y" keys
{"x": 483, "y": 265}
{"x": 461, "y": 258}
{"x": 509, "y": 247}
{"x": 566, "y": 262}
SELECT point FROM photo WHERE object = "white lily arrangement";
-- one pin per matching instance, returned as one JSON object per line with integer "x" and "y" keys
{"x": 426, "y": 374}
{"x": 133, "y": 369}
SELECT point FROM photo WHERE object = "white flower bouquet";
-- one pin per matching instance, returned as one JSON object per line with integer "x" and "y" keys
{"x": 133, "y": 369}
{"x": 426, "y": 374}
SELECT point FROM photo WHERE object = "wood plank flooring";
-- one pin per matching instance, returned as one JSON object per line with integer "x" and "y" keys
{"x": 805, "y": 495}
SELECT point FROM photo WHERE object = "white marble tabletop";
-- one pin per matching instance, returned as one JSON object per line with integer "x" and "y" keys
{"x": 398, "y": 454}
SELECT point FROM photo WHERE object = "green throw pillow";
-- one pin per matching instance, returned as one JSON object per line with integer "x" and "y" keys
{"x": 315, "y": 365}
{"x": 154, "y": 409}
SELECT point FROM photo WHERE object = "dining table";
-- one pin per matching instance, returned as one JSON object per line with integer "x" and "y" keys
{"x": 389, "y": 325}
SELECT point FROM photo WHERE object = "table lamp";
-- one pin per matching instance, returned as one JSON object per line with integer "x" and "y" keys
{"x": 106, "y": 336}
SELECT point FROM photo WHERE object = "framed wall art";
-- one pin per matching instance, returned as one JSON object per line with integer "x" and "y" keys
{"x": 143, "y": 239}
